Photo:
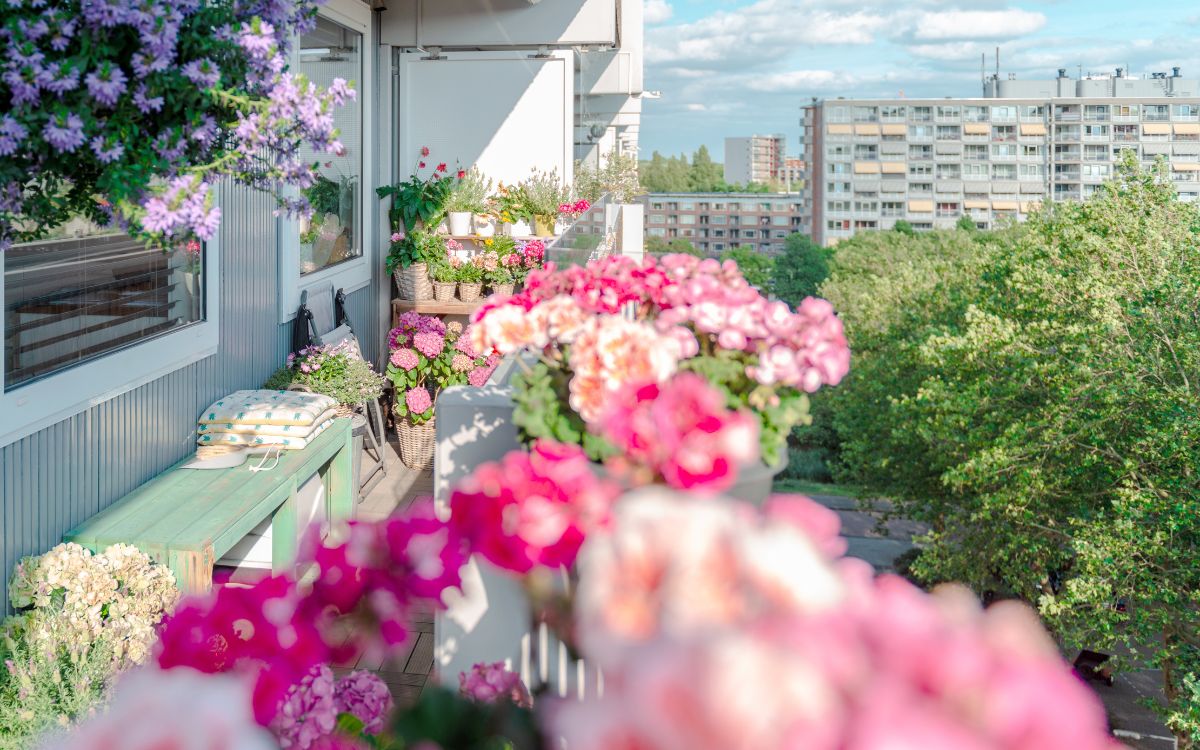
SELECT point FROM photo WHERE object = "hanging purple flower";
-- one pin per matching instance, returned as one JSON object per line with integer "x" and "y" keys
{"x": 64, "y": 132}
{"x": 106, "y": 150}
{"x": 204, "y": 73}
{"x": 106, "y": 84}
{"x": 11, "y": 135}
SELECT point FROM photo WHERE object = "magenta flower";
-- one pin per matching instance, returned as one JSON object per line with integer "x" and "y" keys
{"x": 308, "y": 713}
{"x": 418, "y": 400}
{"x": 479, "y": 376}
{"x": 491, "y": 683}
{"x": 531, "y": 509}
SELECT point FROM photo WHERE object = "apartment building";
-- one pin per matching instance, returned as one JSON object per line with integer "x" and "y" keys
{"x": 755, "y": 158}
{"x": 715, "y": 222}
{"x": 873, "y": 162}
{"x": 794, "y": 174}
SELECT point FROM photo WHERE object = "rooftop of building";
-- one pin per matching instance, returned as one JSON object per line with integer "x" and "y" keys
{"x": 695, "y": 196}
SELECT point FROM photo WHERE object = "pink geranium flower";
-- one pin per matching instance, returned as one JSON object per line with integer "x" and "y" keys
{"x": 491, "y": 683}
{"x": 418, "y": 400}
{"x": 680, "y": 431}
{"x": 531, "y": 508}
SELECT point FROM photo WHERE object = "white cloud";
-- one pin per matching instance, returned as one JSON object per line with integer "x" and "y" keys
{"x": 976, "y": 24}
{"x": 657, "y": 11}
{"x": 695, "y": 107}
{"x": 800, "y": 80}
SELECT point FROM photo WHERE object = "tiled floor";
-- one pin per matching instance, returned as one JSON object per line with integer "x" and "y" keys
{"x": 407, "y": 670}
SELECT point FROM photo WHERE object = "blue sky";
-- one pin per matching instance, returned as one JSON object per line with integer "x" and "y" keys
{"x": 736, "y": 67}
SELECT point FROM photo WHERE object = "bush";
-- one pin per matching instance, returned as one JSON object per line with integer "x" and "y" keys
{"x": 807, "y": 464}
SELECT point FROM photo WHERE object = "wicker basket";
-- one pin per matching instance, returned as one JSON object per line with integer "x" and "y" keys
{"x": 469, "y": 292}
{"x": 417, "y": 442}
{"x": 413, "y": 282}
{"x": 504, "y": 289}
{"x": 443, "y": 291}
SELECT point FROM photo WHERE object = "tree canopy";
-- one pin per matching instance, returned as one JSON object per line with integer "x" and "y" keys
{"x": 800, "y": 270}
{"x": 755, "y": 266}
{"x": 1032, "y": 394}
{"x": 676, "y": 174}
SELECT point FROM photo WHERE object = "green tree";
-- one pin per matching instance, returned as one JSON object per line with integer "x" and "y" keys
{"x": 800, "y": 270}
{"x": 706, "y": 176}
{"x": 966, "y": 224}
{"x": 755, "y": 266}
{"x": 1035, "y": 403}
{"x": 903, "y": 227}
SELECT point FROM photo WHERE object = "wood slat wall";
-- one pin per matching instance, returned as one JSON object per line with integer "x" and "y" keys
{"x": 56, "y": 478}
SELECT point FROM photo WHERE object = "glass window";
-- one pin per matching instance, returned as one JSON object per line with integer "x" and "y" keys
{"x": 687, "y": 219}
{"x": 334, "y": 233}
{"x": 85, "y": 292}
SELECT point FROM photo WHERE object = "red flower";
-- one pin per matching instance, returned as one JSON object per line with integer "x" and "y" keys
{"x": 462, "y": 173}
{"x": 424, "y": 151}
{"x": 441, "y": 167}
{"x": 421, "y": 165}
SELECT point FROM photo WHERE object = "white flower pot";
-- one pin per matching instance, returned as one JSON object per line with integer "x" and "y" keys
{"x": 484, "y": 226}
{"x": 518, "y": 229}
{"x": 460, "y": 223}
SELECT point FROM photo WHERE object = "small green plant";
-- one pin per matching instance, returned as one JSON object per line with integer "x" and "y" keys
{"x": 470, "y": 272}
{"x": 416, "y": 199}
{"x": 471, "y": 193}
{"x": 510, "y": 205}
{"x": 544, "y": 192}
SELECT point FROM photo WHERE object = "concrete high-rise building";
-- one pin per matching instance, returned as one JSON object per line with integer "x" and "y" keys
{"x": 795, "y": 172}
{"x": 873, "y": 162}
{"x": 755, "y": 158}
{"x": 715, "y": 222}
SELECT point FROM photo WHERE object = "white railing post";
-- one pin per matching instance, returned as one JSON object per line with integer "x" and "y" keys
{"x": 630, "y": 230}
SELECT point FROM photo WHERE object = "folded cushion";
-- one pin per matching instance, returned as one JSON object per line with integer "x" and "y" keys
{"x": 261, "y": 407}
{"x": 251, "y": 439}
{"x": 280, "y": 430}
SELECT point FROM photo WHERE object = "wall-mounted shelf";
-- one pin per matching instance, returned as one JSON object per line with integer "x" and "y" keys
{"x": 433, "y": 307}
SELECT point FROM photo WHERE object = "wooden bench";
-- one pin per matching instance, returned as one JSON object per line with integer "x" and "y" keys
{"x": 188, "y": 519}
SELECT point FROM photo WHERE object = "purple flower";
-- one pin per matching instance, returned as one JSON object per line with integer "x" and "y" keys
{"x": 58, "y": 80}
{"x": 65, "y": 134}
{"x": 107, "y": 150}
{"x": 11, "y": 135}
{"x": 204, "y": 73}
{"x": 307, "y": 714}
{"x": 464, "y": 345}
{"x": 429, "y": 343}
{"x": 22, "y": 84}
{"x": 107, "y": 84}
{"x": 146, "y": 104}
{"x": 405, "y": 359}
{"x": 365, "y": 696}
{"x": 418, "y": 400}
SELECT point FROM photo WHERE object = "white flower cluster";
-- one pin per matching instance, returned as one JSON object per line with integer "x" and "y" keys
{"x": 79, "y": 598}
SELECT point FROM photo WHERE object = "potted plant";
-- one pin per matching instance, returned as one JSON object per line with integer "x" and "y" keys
{"x": 530, "y": 256}
{"x": 428, "y": 355}
{"x": 544, "y": 193}
{"x": 512, "y": 210}
{"x": 445, "y": 279}
{"x": 500, "y": 261}
{"x": 470, "y": 279}
{"x": 418, "y": 206}
{"x": 689, "y": 316}
{"x": 468, "y": 198}
{"x": 337, "y": 371}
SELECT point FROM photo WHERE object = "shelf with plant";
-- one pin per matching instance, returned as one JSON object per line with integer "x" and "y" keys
{"x": 128, "y": 122}
{"x": 337, "y": 371}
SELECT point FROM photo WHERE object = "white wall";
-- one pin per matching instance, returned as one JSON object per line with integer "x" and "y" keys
{"x": 498, "y": 23}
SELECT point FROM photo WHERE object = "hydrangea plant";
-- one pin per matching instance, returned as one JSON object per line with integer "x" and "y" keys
{"x": 126, "y": 112}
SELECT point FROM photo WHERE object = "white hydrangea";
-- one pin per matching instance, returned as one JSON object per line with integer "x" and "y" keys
{"x": 78, "y": 598}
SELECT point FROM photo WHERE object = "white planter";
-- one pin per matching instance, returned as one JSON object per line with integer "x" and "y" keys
{"x": 518, "y": 229}
{"x": 460, "y": 222}
{"x": 484, "y": 226}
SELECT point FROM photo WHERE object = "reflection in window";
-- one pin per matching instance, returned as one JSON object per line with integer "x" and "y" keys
{"x": 85, "y": 292}
{"x": 334, "y": 233}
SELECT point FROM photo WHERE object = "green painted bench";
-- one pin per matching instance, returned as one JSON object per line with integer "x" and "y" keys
{"x": 188, "y": 519}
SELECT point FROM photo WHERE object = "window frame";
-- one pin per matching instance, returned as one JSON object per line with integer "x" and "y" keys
{"x": 354, "y": 274}
{"x": 53, "y": 398}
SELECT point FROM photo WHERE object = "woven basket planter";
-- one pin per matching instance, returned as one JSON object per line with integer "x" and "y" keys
{"x": 469, "y": 292}
{"x": 443, "y": 291}
{"x": 417, "y": 442}
{"x": 413, "y": 282}
{"x": 504, "y": 289}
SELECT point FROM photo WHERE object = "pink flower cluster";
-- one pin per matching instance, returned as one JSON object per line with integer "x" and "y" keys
{"x": 418, "y": 400}
{"x": 679, "y": 431}
{"x": 574, "y": 209}
{"x": 366, "y": 697}
{"x": 410, "y": 324}
{"x": 531, "y": 509}
{"x": 405, "y": 359}
{"x": 276, "y": 634}
{"x": 609, "y": 352}
{"x": 718, "y": 627}
{"x": 490, "y": 683}
{"x": 532, "y": 253}
{"x": 308, "y": 716}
